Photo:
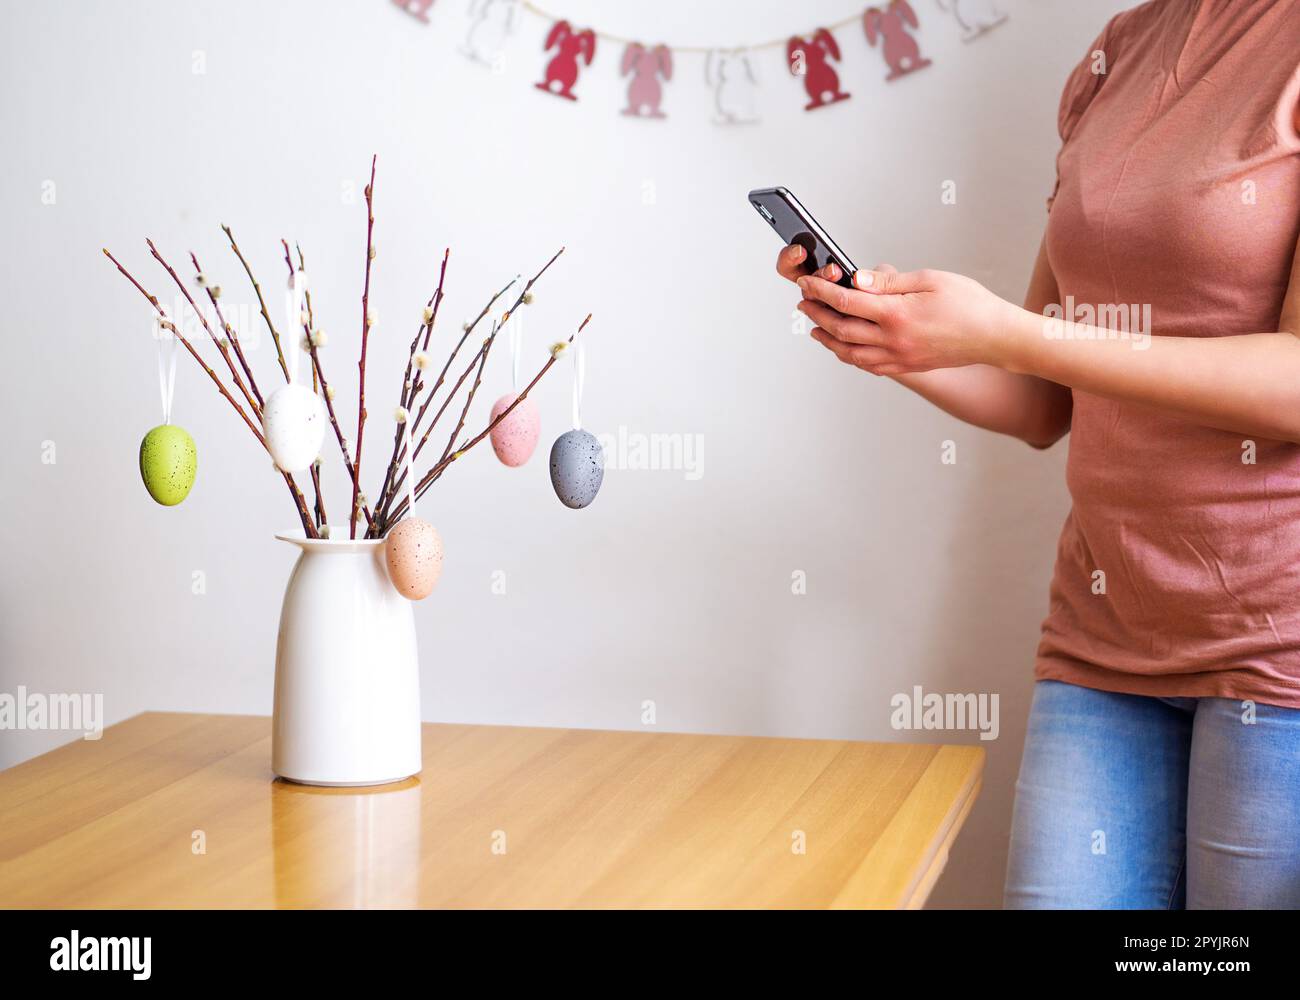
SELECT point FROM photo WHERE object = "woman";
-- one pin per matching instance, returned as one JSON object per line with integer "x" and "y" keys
{"x": 1162, "y": 760}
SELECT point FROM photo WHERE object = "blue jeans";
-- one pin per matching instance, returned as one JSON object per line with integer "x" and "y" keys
{"x": 1128, "y": 802}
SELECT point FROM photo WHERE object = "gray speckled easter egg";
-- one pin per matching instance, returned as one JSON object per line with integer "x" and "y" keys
{"x": 577, "y": 468}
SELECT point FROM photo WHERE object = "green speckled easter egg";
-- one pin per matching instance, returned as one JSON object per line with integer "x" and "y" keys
{"x": 168, "y": 463}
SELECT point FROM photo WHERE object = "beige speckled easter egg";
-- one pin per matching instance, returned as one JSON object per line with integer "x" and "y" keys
{"x": 413, "y": 549}
{"x": 515, "y": 438}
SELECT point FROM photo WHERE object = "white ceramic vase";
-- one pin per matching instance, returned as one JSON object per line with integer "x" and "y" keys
{"x": 347, "y": 679}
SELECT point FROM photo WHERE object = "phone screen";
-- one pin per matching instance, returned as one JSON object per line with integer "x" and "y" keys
{"x": 794, "y": 224}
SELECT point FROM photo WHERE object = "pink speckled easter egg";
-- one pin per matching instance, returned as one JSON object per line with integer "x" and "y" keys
{"x": 515, "y": 438}
{"x": 413, "y": 549}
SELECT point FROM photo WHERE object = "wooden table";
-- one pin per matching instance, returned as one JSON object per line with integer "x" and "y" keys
{"x": 178, "y": 810}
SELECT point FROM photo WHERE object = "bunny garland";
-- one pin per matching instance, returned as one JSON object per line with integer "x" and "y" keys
{"x": 418, "y": 9}
{"x": 494, "y": 22}
{"x": 890, "y": 26}
{"x": 571, "y": 47}
{"x": 730, "y": 74}
{"x": 811, "y": 59}
{"x": 975, "y": 16}
{"x": 644, "y": 92}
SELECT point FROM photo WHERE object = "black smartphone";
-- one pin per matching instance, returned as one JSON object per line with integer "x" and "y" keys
{"x": 795, "y": 224}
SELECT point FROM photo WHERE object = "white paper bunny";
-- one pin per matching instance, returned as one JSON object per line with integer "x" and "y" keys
{"x": 493, "y": 22}
{"x": 730, "y": 72}
{"x": 974, "y": 16}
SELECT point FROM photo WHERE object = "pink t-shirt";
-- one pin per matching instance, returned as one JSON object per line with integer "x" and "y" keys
{"x": 1178, "y": 571}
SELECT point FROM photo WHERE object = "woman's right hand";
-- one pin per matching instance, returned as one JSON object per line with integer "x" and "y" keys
{"x": 1036, "y": 411}
{"x": 792, "y": 264}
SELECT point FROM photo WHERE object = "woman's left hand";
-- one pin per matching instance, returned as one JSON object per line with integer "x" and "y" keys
{"x": 892, "y": 323}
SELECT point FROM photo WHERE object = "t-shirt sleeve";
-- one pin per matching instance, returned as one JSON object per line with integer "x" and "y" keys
{"x": 1080, "y": 88}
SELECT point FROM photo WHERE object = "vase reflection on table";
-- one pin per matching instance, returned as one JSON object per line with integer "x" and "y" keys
{"x": 356, "y": 847}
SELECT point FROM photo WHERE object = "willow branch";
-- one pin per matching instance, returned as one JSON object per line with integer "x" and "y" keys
{"x": 230, "y": 333}
{"x": 387, "y": 499}
{"x": 325, "y": 393}
{"x": 275, "y": 337}
{"x": 436, "y": 471}
{"x": 486, "y": 346}
{"x": 319, "y": 507}
{"x": 473, "y": 389}
{"x": 473, "y": 363}
{"x": 365, "y": 340}
{"x": 222, "y": 348}
{"x": 321, "y": 518}
{"x": 308, "y": 528}
{"x": 411, "y": 385}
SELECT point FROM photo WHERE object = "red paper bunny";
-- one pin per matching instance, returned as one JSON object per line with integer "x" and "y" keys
{"x": 562, "y": 70}
{"x": 645, "y": 92}
{"x": 901, "y": 51}
{"x": 811, "y": 59}
{"x": 416, "y": 8}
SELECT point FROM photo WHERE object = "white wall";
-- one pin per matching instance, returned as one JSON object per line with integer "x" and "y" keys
{"x": 667, "y": 589}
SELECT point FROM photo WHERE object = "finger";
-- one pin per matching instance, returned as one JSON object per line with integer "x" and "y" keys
{"x": 892, "y": 282}
{"x": 852, "y": 354}
{"x": 845, "y": 300}
{"x": 831, "y": 272}
{"x": 792, "y": 262}
{"x": 850, "y": 329}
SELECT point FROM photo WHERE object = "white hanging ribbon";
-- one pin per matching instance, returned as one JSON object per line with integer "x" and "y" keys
{"x": 579, "y": 374}
{"x": 516, "y": 350}
{"x": 166, "y": 371}
{"x": 293, "y": 320}
{"x": 410, "y": 466}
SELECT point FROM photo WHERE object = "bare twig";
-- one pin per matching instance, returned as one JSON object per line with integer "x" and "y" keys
{"x": 437, "y": 470}
{"x": 321, "y": 518}
{"x": 411, "y": 384}
{"x": 222, "y": 348}
{"x": 365, "y": 340}
{"x": 387, "y": 499}
{"x": 473, "y": 389}
{"x": 319, "y": 507}
{"x": 231, "y": 333}
{"x": 474, "y": 362}
{"x": 275, "y": 337}
{"x": 313, "y": 350}
{"x": 165, "y": 321}
{"x": 523, "y": 295}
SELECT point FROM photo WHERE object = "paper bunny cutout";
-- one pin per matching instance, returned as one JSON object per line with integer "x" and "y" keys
{"x": 562, "y": 70}
{"x": 416, "y": 8}
{"x": 731, "y": 75}
{"x": 974, "y": 16}
{"x": 811, "y": 60}
{"x": 644, "y": 92}
{"x": 493, "y": 22}
{"x": 901, "y": 51}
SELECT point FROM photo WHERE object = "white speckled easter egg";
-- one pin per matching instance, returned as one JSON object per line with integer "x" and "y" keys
{"x": 515, "y": 438}
{"x": 577, "y": 468}
{"x": 294, "y": 423}
{"x": 413, "y": 549}
{"x": 168, "y": 464}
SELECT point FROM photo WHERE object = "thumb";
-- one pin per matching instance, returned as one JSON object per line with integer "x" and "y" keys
{"x": 889, "y": 282}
